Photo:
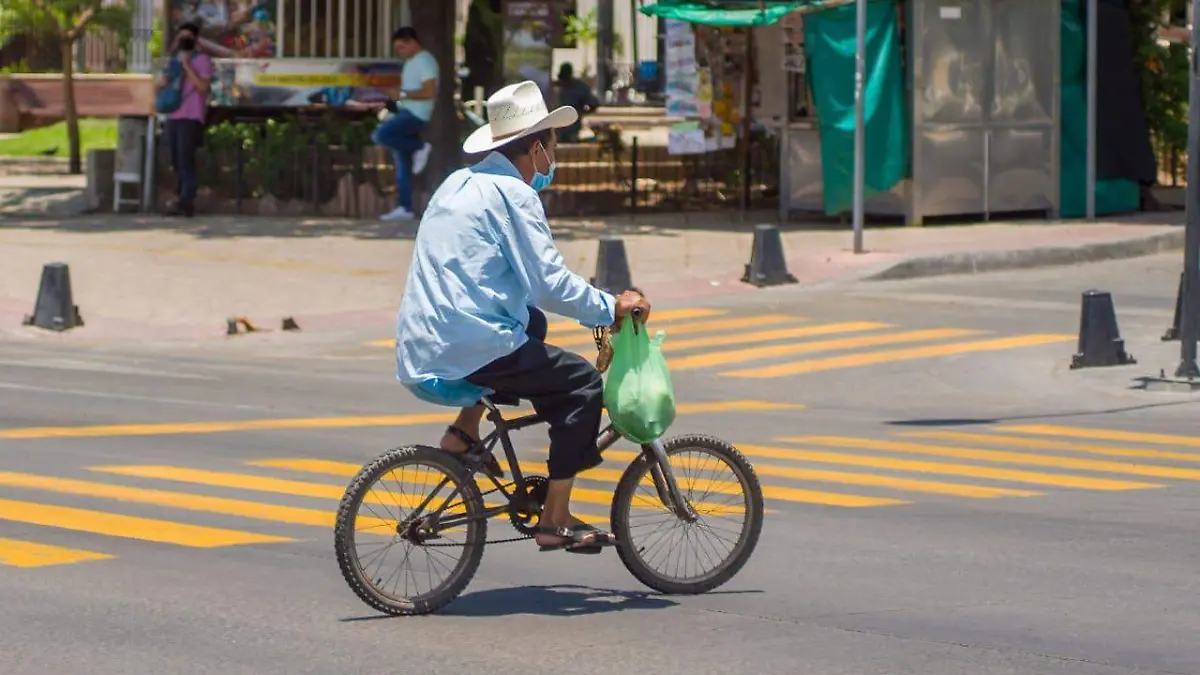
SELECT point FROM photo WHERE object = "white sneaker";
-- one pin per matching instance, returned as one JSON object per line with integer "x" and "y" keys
{"x": 399, "y": 213}
{"x": 421, "y": 158}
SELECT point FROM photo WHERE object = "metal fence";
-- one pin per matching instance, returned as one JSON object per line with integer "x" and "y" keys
{"x": 328, "y": 166}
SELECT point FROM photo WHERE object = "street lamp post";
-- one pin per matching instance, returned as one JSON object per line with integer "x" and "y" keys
{"x": 1189, "y": 319}
{"x": 859, "y": 133}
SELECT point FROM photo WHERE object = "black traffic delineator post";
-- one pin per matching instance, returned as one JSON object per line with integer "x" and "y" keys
{"x": 612, "y": 266}
{"x": 1173, "y": 333}
{"x": 1100, "y": 342}
{"x": 55, "y": 307}
{"x": 768, "y": 265}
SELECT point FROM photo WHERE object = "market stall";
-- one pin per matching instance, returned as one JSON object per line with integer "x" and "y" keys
{"x": 963, "y": 121}
{"x": 967, "y": 108}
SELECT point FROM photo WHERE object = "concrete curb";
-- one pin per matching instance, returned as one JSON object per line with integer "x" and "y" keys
{"x": 992, "y": 261}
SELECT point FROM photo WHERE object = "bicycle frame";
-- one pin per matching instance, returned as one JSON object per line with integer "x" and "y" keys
{"x": 654, "y": 453}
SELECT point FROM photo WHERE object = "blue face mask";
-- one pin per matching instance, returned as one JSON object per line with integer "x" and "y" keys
{"x": 541, "y": 181}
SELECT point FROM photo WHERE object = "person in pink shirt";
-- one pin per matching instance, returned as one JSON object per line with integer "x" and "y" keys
{"x": 185, "y": 125}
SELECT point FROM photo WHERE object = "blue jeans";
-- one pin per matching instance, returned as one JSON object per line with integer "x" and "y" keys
{"x": 401, "y": 134}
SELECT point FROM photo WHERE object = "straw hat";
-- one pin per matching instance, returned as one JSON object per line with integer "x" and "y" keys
{"x": 516, "y": 111}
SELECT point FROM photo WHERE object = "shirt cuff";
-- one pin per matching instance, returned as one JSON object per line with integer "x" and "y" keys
{"x": 608, "y": 313}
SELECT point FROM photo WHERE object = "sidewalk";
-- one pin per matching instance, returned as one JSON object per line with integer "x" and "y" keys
{"x": 153, "y": 278}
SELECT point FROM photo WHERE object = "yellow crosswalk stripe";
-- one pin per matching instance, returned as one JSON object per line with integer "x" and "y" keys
{"x": 772, "y": 335}
{"x": 895, "y": 355}
{"x": 657, "y": 316}
{"x": 1102, "y": 434}
{"x": 189, "y": 502}
{"x": 129, "y": 527}
{"x": 792, "y": 494}
{"x": 224, "y": 426}
{"x": 346, "y": 469}
{"x": 1055, "y": 461}
{"x": 303, "y": 423}
{"x": 760, "y": 353}
{"x": 300, "y": 488}
{"x": 1048, "y": 444}
{"x": 848, "y": 478}
{"x": 946, "y": 469}
{"x": 241, "y": 481}
{"x": 582, "y": 334}
{"x": 17, "y": 553}
{"x": 333, "y": 468}
{"x": 691, "y": 328}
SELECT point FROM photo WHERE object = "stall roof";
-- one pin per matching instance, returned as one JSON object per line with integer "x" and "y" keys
{"x": 735, "y": 12}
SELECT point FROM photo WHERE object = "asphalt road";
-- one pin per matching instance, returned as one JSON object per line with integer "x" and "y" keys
{"x": 946, "y": 496}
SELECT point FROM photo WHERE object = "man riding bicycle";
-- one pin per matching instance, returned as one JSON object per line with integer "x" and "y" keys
{"x": 469, "y": 323}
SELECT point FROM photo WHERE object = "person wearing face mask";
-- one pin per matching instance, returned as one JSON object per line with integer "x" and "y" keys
{"x": 185, "y": 123}
{"x": 469, "y": 323}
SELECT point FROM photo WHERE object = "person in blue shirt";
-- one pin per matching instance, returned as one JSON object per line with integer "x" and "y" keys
{"x": 401, "y": 133}
{"x": 469, "y": 323}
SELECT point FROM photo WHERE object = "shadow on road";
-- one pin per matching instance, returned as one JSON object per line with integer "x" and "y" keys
{"x": 558, "y": 600}
{"x": 964, "y": 422}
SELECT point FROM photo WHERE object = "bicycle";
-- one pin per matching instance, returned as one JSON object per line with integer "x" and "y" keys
{"x": 464, "y": 511}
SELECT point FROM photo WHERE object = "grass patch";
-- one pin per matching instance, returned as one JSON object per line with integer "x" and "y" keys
{"x": 94, "y": 134}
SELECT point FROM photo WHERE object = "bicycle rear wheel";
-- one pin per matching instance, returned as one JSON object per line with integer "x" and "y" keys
{"x": 397, "y": 528}
{"x": 722, "y": 488}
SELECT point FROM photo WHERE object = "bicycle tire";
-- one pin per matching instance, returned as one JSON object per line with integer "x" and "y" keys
{"x": 739, "y": 556}
{"x": 344, "y": 532}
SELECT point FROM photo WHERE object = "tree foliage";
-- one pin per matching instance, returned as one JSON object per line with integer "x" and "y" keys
{"x": 66, "y": 21}
{"x": 1163, "y": 69}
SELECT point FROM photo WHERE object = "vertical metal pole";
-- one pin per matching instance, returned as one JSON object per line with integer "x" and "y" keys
{"x": 860, "y": 61}
{"x": 1190, "y": 319}
{"x": 280, "y": 21}
{"x": 342, "y": 28}
{"x": 747, "y": 100}
{"x": 1092, "y": 32}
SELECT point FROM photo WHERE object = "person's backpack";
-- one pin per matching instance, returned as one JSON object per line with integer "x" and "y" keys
{"x": 170, "y": 97}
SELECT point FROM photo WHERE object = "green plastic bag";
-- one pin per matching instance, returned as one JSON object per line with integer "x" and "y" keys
{"x": 638, "y": 391}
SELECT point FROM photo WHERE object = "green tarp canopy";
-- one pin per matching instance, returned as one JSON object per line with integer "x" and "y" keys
{"x": 734, "y": 12}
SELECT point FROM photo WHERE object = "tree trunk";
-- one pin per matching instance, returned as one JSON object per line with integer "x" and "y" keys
{"x": 434, "y": 22}
{"x": 67, "y": 46}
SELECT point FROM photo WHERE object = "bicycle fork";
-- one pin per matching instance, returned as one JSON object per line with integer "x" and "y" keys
{"x": 660, "y": 472}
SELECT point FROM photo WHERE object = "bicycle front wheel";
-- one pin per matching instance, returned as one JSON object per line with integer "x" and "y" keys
{"x": 672, "y": 555}
{"x": 399, "y": 557}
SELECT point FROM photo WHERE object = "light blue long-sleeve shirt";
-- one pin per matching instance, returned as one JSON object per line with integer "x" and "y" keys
{"x": 484, "y": 253}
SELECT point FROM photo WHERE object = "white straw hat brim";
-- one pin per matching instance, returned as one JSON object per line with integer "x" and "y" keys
{"x": 481, "y": 140}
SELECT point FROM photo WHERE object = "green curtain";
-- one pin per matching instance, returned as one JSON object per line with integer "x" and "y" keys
{"x": 1116, "y": 195}
{"x": 830, "y": 41}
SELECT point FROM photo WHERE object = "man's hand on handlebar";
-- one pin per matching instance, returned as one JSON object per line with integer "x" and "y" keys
{"x": 631, "y": 303}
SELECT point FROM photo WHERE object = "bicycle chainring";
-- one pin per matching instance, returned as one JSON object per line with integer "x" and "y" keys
{"x": 524, "y": 522}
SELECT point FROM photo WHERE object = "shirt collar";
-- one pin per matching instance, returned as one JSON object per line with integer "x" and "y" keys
{"x": 496, "y": 163}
